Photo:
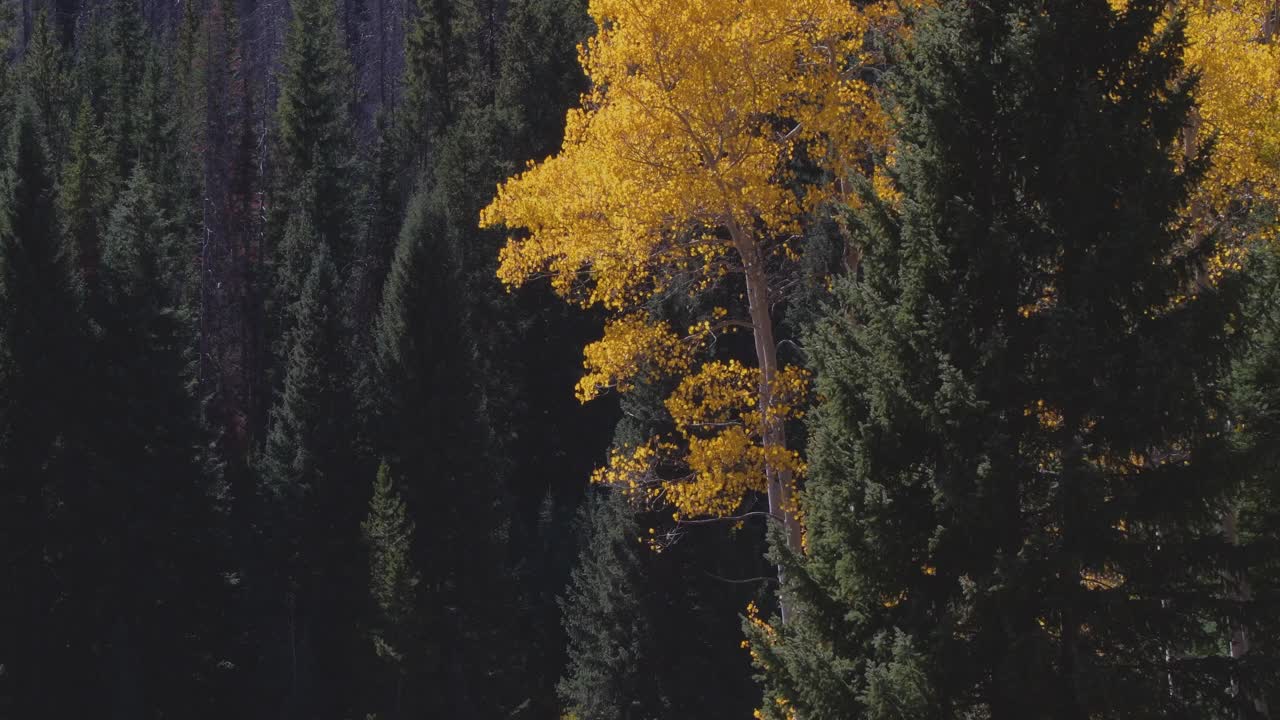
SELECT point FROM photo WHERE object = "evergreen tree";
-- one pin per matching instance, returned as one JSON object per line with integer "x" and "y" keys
{"x": 315, "y": 129}
{"x": 315, "y": 193}
{"x": 647, "y": 630}
{"x": 539, "y": 75}
{"x": 380, "y": 215}
{"x": 129, "y": 46}
{"x": 613, "y": 657}
{"x": 310, "y": 583}
{"x": 42, "y": 434}
{"x": 1016, "y": 470}
{"x": 8, "y": 40}
{"x": 163, "y": 581}
{"x": 85, "y": 194}
{"x": 429, "y": 67}
{"x": 433, "y": 430}
{"x": 1253, "y": 522}
{"x": 43, "y": 74}
{"x": 393, "y": 582}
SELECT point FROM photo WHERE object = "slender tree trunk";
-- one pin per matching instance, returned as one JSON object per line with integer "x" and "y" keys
{"x": 774, "y": 434}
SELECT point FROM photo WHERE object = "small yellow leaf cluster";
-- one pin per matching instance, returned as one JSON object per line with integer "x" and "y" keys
{"x": 1049, "y": 418}
{"x": 632, "y": 347}
{"x": 1101, "y": 579}
{"x": 718, "y": 421}
{"x": 717, "y": 441}
{"x": 1048, "y": 298}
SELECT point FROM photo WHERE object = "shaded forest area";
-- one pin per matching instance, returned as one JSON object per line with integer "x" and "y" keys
{"x": 276, "y": 441}
{"x": 616, "y": 360}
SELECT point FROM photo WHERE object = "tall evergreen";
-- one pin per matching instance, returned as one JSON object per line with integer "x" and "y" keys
{"x": 85, "y": 193}
{"x": 613, "y": 657}
{"x": 429, "y": 67}
{"x": 1018, "y": 466}
{"x": 379, "y": 217}
{"x": 163, "y": 570}
{"x": 129, "y": 45}
{"x": 309, "y": 582}
{"x": 316, "y": 134}
{"x": 539, "y": 76}
{"x": 393, "y": 587}
{"x": 44, "y": 79}
{"x": 42, "y": 436}
{"x": 432, "y": 427}
{"x": 1253, "y": 522}
{"x": 647, "y": 630}
{"x": 8, "y": 41}
{"x": 315, "y": 196}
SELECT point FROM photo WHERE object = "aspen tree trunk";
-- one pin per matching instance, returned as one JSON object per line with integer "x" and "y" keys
{"x": 774, "y": 434}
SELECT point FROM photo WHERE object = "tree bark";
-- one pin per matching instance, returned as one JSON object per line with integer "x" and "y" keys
{"x": 779, "y": 481}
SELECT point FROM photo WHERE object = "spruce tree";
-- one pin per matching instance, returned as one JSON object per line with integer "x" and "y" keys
{"x": 314, "y": 195}
{"x": 166, "y": 558}
{"x": 309, "y": 582}
{"x": 393, "y": 585}
{"x": 539, "y": 74}
{"x": 44, "y": 80}
{"x": 43, "y": 430}
{"x": 1253, "y": 521}
{"x": 432, "y": 427}
{"x": 612, "y": 649}
{"x": 85, "y": 194}
{"x": 654, "y": 634}
{"x": 8, "y": 40}
{"x": 380, "y": 215}
{"x": 429, "y": 66}
{"x": 315, "y": 128}
{"x": 129, "y": 46}
{"x": 1018, "y": 466}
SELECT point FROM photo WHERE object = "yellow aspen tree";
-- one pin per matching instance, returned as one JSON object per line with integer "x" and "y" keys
{"x": 1232, "y": 45}
{"x": 673, "y": 177}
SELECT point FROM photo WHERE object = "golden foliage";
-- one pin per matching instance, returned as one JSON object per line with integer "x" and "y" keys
{"x": 1232, "y": 45}
{"x": 673, "y": 175}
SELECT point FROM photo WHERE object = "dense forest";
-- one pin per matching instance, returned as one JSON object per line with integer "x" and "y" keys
{"x": 619, "y": 360}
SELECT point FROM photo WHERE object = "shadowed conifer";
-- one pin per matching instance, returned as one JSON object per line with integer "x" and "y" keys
{"x": 1016, "y": 470}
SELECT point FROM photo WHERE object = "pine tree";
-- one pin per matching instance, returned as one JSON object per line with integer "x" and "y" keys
{"x": 432, "y": 428}
{"x": 1017, "y": 466}
{"x": 163, "y": 505}
{"x": 393, "y": 582}
{"x": 315, "y": 129}
{"x": 309, "y": 582}
{"x": 380, "y": 217}
{"x": 129, "y": 48}
{"x": 43, "y": 75}
{"x": 42, "y": 433}
{"x": 612, "y": 649}
{"x": 654, "y": 634}
{"x": 539, "y": 75}
{"x": 1253, "y": 522}
{"x": 85, "y": 194}
{"x": 8, "y": 40}
{"x": 314, "y": 196}
{"x": 429, "y": 64}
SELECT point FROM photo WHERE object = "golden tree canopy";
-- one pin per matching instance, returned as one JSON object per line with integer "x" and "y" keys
{"x": 673, "y": 177}
{"x": 1232, "y": 45}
